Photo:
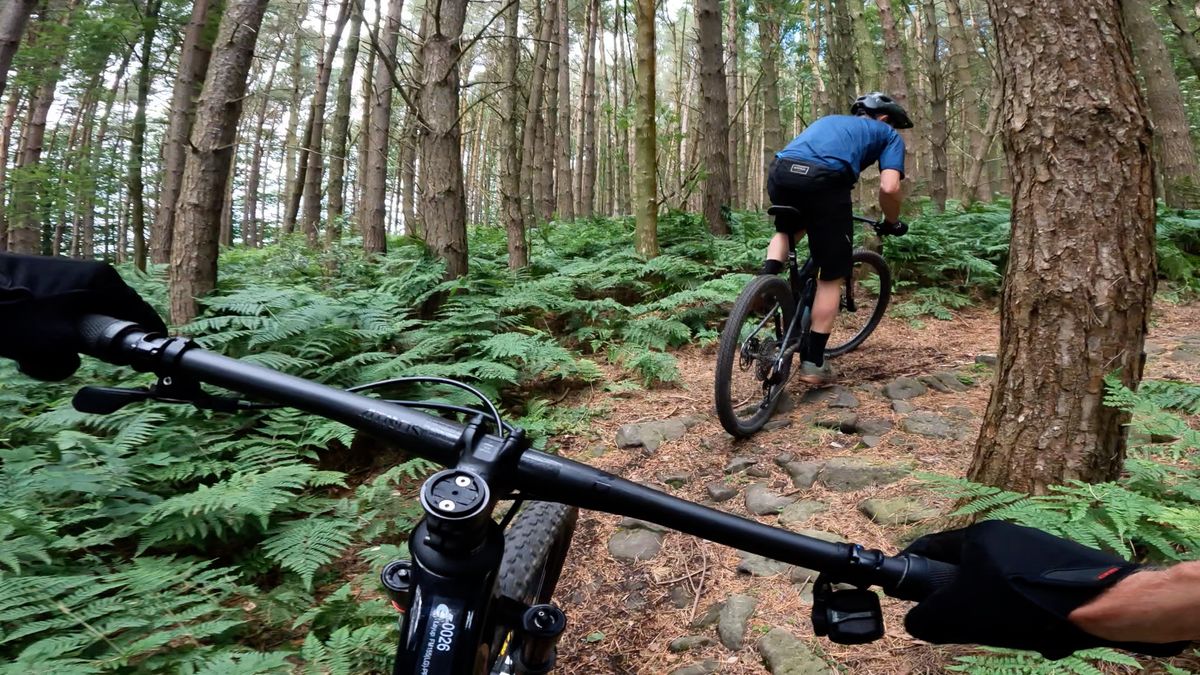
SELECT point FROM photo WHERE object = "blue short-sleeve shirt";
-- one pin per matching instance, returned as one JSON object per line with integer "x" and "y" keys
{"x": 849, "y": 144}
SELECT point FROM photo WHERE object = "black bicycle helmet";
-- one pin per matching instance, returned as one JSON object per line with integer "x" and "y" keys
{"x": 879, "y": 103}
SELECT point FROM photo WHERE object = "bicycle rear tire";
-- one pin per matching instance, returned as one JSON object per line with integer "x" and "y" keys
{"x": 535, "y": 548}
{"x": 777, "y": 296}
{"x": 871, "y": 263}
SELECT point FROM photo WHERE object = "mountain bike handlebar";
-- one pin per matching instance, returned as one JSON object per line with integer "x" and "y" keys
{"x": 535, "y": 474}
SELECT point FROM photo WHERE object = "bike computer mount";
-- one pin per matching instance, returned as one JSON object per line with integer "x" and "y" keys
{"x": 458, "y": 537}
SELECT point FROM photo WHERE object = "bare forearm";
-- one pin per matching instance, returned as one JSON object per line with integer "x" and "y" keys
{"x": 1152, "y": 606}
{"x": 890, "y": 203}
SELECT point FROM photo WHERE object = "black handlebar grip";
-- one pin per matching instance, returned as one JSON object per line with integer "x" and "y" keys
{"x": 97, "y": 331}
{"x": 923, "y": 577}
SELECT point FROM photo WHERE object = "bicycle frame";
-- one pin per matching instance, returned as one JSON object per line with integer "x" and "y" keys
{"x": 802, "y": 280}
{"x": 448, "y": 594}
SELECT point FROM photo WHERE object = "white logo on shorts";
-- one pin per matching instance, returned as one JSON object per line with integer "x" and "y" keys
{"x": 800, "y": 169}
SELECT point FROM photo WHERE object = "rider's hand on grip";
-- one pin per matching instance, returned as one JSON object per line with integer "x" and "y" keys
{"x": 1015, "y": 588}
{"x": 896, "y": 229}
{"x": 41, "y": 301}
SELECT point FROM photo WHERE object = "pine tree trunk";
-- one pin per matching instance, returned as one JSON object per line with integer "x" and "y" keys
{"x": 938, "y": 135}
{"x": 1173, "y": 141}
{"x": 587, "y": 133}
{"x": 863, "y": 50}
{"x": 981, "y": 152}
{"x": 733, "y": 35}
{"x": 1076, "y": 297}
{"x": 408, "y": 177}
{"x": 645, "y": 236}
{"x": 960, "y": 58}
{"x": 820, "y": 94}
{"x": 510, "y": 162}
{"x": 768, "y": 42}
{"x": 546, "y": 191}
{"x": 443, "y": 204}
{"x": 364, "y": 128}
{"x": 291, "y": 144}
{"x": 715, "y": 107}
{"x": 375, "y": 189}
{"x": 564, "y": 176}
{"x": 10, "y": 117}
{"x": 893, "y": 51}
{"x": 530, "y": 165}
{"x": 1186, "y": 34}
{"x": 137, "y": 142}
{"x": 194, "y": 58}
{"x": 25, "y": 229}
{"x": 210, "y": 156}
{"x": 341, "y": 129}
{"x": 14, "y": 17}
{"x": 316, "y": 160}
{"x": 841, "y": 40}
{"x": 253, "y": 235}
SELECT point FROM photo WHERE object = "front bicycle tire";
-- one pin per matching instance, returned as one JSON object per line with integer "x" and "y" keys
{"x": 535, "y": 549}
{"x": 871, "y": 281}
{"x": 747, "y": 389}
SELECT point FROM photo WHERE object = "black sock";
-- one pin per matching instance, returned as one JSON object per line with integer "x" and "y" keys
{"x": 815, "y": 349}
{"x": 771, "y": 267}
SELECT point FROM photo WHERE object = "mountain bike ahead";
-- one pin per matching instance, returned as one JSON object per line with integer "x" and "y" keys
{"x": 770, "y": 321}
{"x": 474, "y": 598}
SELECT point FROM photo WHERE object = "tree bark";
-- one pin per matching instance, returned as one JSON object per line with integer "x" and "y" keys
{"x": 980, "y": 152}
{"x": 10, "y": 117}
{"x": 252, "y": 234}
{"x": 564, "y": 177}
{"x": 194, "y": 58}
{"x": 510, "y": 163}
{"x": 938, "y": 134}
{"x": 316, "y": 159}
{"x": 645, "y": 236}
{"x": 1076, "y": 297}
{"x": 14, "y": 17}
{"x": 25, "y": 229}
{"x": 768, "y": 42}
{"x": 137, "y": 139}
{"x": 546, "y": 149}
{"x": 1177, "y": 156}
{"x": 715, "y": 106}
{"x": 443, "y": 205}
{"x": 375, "y": 189}
{"x": 841, "y": 41}
{"x": 587, "y": 128}
{"x": 530, "y": 166}
{"x": 1186, "y": 34}
{"x": 408, "y": 177}
{"x": 291, "y": 144}
{"x": 733, "y": 35}
{"x": 341, "y": 129}
{"x": 193, "y": 271}
{"x": 893, "y": 51}
{"x": 961, "y": 51}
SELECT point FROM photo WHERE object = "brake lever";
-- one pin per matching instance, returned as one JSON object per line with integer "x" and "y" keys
{"x": 108, "y": 400}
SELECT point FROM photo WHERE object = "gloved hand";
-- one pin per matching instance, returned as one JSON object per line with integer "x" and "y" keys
{"x": 1015, "y": 588}
{"x": 41, "y": 300}
{"x": 896, "y": 229}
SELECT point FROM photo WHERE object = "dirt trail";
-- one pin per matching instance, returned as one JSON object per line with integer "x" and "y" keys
{"x": 622, "y": 616}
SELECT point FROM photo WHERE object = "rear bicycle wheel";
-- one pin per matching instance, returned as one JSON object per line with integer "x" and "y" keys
{"x": 535, "y": 548}
{"x": 748, "y": 384}
{"x": 870, "y": 285}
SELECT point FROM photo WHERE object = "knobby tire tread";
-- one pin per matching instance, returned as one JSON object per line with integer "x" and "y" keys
{"x": 727, "y": 353}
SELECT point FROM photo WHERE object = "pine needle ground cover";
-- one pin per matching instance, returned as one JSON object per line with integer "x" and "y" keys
{"x": 164, "y": 539}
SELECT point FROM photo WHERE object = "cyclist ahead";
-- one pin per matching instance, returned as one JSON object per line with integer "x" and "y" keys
{"x": 815, "y": 174}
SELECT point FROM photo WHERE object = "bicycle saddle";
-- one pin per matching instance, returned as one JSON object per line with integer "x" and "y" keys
{"x": 783, "y": 211}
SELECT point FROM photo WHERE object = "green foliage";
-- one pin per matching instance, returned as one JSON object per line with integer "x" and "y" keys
{"x": 1152, "y": 512}
{"x": 1009, "y": 662}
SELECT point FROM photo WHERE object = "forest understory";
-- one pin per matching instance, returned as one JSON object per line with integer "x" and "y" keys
{"x": 622, "y": 618}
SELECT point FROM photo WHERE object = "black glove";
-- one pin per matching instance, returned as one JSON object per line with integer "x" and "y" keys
{"x": 896, "y": 229}
{"x": 42, "y": 299}
{"x": 1015, "y": 588}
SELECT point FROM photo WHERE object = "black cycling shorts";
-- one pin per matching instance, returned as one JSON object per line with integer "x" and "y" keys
{"x": 822, "y": 196}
